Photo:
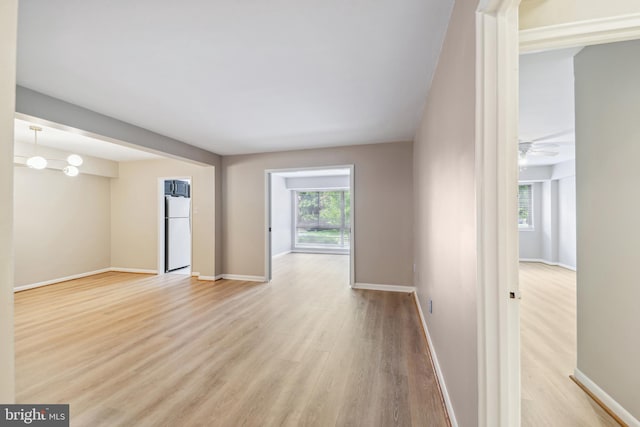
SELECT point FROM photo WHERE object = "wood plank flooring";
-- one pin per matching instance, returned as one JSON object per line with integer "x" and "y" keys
{"x": 548, "y": 353}
{"x": 136, "y": 350}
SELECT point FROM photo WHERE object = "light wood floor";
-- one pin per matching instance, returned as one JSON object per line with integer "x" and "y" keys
{"x": 137, "y": 350}
{"x": 548, "y": 352}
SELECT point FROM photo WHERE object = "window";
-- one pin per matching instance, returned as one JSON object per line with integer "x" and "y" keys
{"x": 525, "y": 206}
{"x": 323, "y": 219}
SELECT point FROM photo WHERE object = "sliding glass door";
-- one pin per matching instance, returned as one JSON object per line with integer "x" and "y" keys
{"x": 323, "y": 219}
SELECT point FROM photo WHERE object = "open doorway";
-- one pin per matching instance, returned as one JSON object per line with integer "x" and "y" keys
{"x": 310, "y": 212}
{"x": 498, "y": 264}
{"x": 547, "y": 243}
{"x": 174, "y": 225}
{"x": 570, "y": 323}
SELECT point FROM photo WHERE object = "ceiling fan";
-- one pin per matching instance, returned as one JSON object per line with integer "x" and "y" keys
{"x": 538, "y": 147}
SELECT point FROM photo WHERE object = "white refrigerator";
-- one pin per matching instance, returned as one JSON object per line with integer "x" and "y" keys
{"x": 177, "y": 233}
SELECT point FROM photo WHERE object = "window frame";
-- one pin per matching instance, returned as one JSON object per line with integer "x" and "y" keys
{"x": 345, "y": 246}
{"x": 527, "y": 227}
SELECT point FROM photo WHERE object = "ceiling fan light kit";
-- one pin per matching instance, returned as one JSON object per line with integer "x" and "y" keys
{"x": 38, "y": 162}
{"x": 538, "y": 148}
{"x": 522, "y": 160}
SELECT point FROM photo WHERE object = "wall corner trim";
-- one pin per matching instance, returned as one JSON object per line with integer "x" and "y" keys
{"x": 607, "y": 400}
{"x": 243, "y": 278}
{"x": 434, "y": 358}
{"x": 385, "y": 288}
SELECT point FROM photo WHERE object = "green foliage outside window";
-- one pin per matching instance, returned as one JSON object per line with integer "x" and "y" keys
{"x": 323, "y": 217}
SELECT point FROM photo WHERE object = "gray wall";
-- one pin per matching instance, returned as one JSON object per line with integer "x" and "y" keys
{"x": 68, "y": 217}
{"x": 134, "y": 214}
{"x": 383, "y": 208}
{"x": 549, "y": 221}
{"x": 35, "y": 104}
{"x": 218, "y": 217}
{"x": 607, "y": 176}
{"x": 281, "y": 220}
{"x": 445, "y": 214}
{"x": 553, "y": 239}
{"x": 567, "y": 221}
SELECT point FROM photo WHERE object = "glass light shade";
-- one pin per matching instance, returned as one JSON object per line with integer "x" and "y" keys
{"x": 37, "y": 162}
{"x": 74, "y": 160}
{"x": 522, "y": 159}
{"x": 71, "y": 171}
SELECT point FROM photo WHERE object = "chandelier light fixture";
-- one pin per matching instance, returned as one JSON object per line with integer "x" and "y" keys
{"x": 35, "y": 161}
{"x": 39, "y": 162}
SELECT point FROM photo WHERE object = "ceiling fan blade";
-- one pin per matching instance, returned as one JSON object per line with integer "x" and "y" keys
{"x": 543, "y": 153}
{"x": 551, "y": 135}
{"x": 537, "y": 145}
{"x": 565, "y": 142}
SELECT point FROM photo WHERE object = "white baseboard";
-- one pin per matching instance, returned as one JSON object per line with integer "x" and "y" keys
{"x": 434, "y": 357}
{"x": 568, "y": 267}
{"x": 386, "y": 288}
{"x": 544, "y": 261}
{"x": 280, "y": 254}
{"x": 629, "y": 419}
{"x": 208, "y": 278}
{"x": 133, "y": 270}
{"x": 60, "y": 279}
{"x": 198, "y": 276}
{"x": 243, "y": 278}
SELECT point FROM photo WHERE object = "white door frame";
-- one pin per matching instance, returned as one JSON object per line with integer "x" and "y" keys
{"x": 160, "y": 198}
{"x": 496, "y": 207}
{"x": 267, "y": 216}
{"x": 498, "y": 46}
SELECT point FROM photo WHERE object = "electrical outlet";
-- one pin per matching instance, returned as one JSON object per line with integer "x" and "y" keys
{"x": 430, "y": 306}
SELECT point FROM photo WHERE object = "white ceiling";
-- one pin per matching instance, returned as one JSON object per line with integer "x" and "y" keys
{"x": 240, "y": 76}
{"x": 547, "y": 109}
{"x": 77, "y": 143}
